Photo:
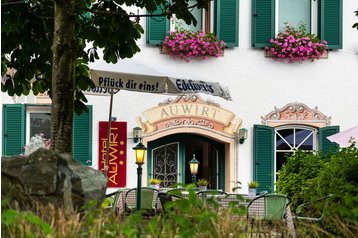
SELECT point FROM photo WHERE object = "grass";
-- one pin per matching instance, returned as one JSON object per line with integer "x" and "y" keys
{"x": 188, "y": 218}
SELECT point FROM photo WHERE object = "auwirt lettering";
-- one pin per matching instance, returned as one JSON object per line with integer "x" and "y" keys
{"x": 187, "y": 110}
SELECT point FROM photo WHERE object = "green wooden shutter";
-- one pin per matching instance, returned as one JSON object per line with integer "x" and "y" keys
{"x": 263, "y": 22}
{"x": 13, "y": 129}
{"x": 227, "y": 21}
{"x": 326, "y": 145}
{"x": 264, "y": 157}
{"x": 157, "y": 28}
{"x": 330, "y": 22}
{"x": 82, "y": 137}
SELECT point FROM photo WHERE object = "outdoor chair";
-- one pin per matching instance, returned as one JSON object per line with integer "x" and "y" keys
{"x": 165, "y": 198}
{"x": 313, "y": 211}
{"x": 268, "y": 210}
{"x": 149, "y": 198}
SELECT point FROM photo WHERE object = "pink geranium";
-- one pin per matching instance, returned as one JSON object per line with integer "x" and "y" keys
{"x": 296, "y": 45}
{"x": 188, "y": 44}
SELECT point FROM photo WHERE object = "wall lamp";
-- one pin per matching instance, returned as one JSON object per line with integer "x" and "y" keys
{"x": 137, "y": 134}
{"x": 242, "y": 135}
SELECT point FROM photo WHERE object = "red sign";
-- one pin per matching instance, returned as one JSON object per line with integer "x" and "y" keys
{"x": 117, "y": 160}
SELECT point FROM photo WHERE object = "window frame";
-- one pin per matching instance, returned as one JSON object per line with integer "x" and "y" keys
{"x": 313, "y": 26}
{"x": 206, "y": 21}
{"x": 315, "y": 143}
{"x": 33, "y": 109}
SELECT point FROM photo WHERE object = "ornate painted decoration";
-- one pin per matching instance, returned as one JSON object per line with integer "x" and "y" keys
{"x": 189, "y": 111}
{"x": 298, "y": 113}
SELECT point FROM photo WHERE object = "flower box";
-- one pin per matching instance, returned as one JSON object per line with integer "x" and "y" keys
{"x": 186, "y": 44}
{"x": 268, "y": 54}
{"x": 296, "y": 45}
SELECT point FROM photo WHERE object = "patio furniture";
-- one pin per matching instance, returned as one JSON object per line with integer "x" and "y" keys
{"x": 149, "y": 197}
{"x": 165, "y": 198}
{"x": 209, "y": 194}
{"x": 313, "y": 211}
{"x": 269, "y": 210}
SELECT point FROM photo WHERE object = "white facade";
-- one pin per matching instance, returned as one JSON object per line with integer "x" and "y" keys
{"x": 257, "y": 85}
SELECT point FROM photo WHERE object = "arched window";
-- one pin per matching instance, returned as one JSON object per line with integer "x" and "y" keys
{"x": 283, "y": 130}
{"x": 290, "y": 138}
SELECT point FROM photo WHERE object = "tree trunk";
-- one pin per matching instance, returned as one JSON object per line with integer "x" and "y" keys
{"x": 63, "y": 76}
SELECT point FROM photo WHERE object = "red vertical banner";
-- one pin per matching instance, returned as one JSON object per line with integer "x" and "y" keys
{"x": 117, "y": 160}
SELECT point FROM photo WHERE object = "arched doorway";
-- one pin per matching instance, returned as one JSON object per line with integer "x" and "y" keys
{"x": 169, "y": 156}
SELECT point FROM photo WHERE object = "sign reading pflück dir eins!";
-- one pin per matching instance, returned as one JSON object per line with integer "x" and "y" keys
{"x": 156, "y": 84}
{"x": 117, "y": 159}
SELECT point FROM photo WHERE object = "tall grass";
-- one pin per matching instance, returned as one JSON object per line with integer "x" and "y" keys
{"x": 189, "y": 218}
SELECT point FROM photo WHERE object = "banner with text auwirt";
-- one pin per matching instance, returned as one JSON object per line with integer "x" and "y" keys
{"x": 117, "y": 162}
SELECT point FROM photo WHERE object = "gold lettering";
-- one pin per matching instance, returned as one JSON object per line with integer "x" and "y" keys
{"x": 214, "y": 112}
{"x": 176, "y": 110}
{"x": 164, "y": 113}
{"x": 205, "y": 111}
{"x": 186, "y": 108}
{"x": 112, "y": 178}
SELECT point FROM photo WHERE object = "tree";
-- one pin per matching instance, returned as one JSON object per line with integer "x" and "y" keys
{"x": 50, "y": 43}
{"x": 355, "y": 25}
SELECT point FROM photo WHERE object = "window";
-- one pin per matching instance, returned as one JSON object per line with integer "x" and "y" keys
{"x": 296, "y": 12}
{"x": 21, "y": 121}
{"x": 291, "y": 138}
{"x": 222, "y": 18}
{"x": 323, "y": 17}
{"x": 180, "y": 24}
{"x": 39, "y": 121}
{"x": 271, "y": 144}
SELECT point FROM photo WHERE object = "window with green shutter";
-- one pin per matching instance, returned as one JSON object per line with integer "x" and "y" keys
{"x": 13, "y": 129}
{"x": 263, "y": 162}
{"x": 322, "y": 17}
{"x": 263, "y": 22}
{"x": 82, "y": 137}
{"x": 157, "y": 28}
{"x": 226, "y": 23}
{"x": 325, "y": 145}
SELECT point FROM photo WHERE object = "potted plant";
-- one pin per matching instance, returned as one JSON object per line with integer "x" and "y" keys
{"x": 252, "y": 187}
{"x": 202, "y": 183}
{"x": 155, "y": 183}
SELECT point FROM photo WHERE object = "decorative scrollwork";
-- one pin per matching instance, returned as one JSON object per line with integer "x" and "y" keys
{"x": 296, "y": 112}
{"x": 192, "y": 122}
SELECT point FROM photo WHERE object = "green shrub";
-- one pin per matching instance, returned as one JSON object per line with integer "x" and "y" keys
{"x": 298, "y": 176}
{"x": 306, "y": 177}
{"x": 340, "y": 177}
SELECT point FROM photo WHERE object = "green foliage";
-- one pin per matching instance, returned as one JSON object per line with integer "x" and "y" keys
{"x": 355, "y": 25}
{"x": 202, "y": 182}
{"x": 307, "y": 176}
{"x": 253, "y": 184}
{"x": 23, "y": 224}
{"x": 297, "y": 176}
{"x": 340, "y": 177}
{"x": 27, "y": 30}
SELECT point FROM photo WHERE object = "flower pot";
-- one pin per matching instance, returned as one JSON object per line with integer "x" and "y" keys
{"x": 156, "y": 186}
{"x": 202, "y": 188}
{"x": 252, "y": 192}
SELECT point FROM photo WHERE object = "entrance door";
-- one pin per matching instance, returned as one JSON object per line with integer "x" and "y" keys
{"x": 168, "y": 160}
{"x": 165, "y": 164}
